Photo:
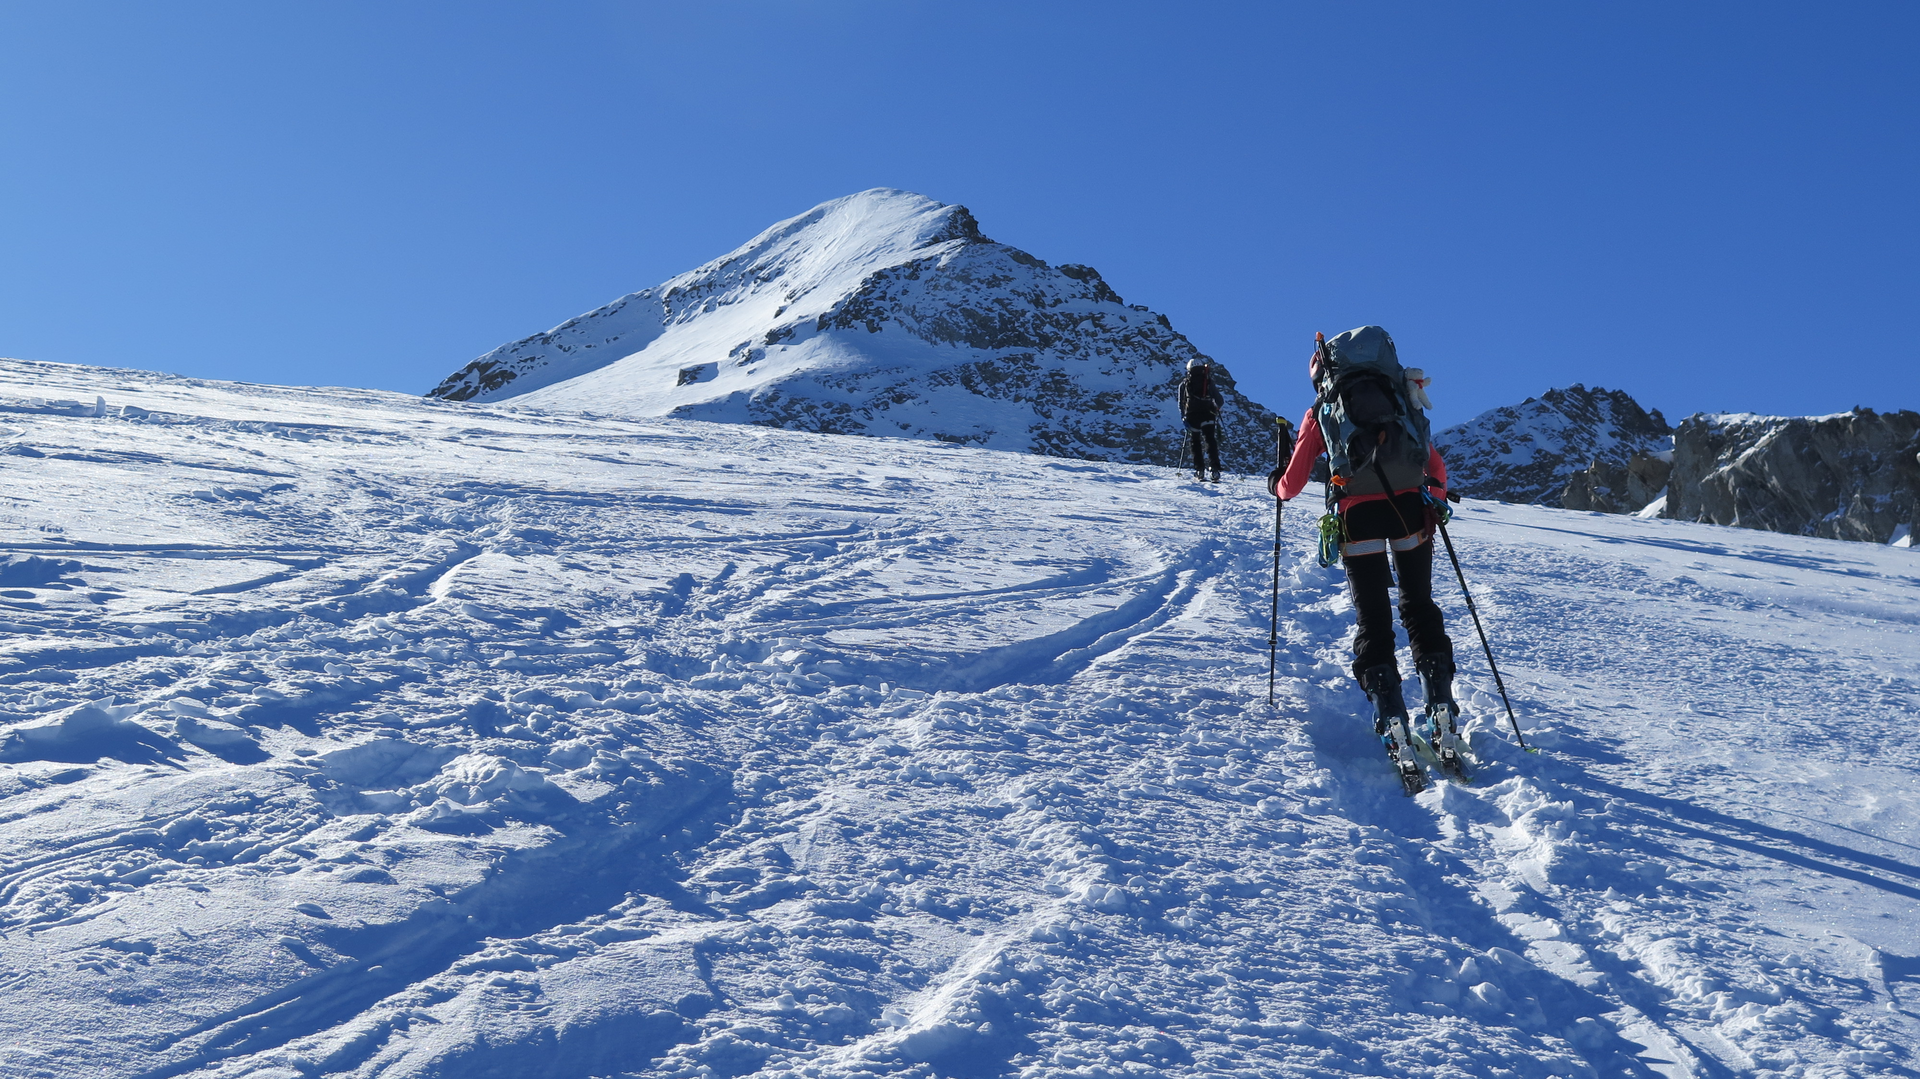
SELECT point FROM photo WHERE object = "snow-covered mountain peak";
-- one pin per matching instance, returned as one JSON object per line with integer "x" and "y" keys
{"x": 1527, "y": 452}
{"x": 826, "y": 251}
{"x": 881, "y": 313}
{"x": 791, "y": 272}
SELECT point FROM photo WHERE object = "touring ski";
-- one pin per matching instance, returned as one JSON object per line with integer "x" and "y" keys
{"x": 1382, "y": 686}
{"x": 1439, "y": 740}
{"x": 1400, "y": 750}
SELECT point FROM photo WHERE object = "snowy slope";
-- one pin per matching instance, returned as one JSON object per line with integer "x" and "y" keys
{"x": 881, "y": 313}
{"x": 1527, "y": 452}
{"x": 350, "y": 734}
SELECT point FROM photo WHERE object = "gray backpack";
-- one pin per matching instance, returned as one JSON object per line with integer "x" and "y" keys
{"x": 1368, "y": 417}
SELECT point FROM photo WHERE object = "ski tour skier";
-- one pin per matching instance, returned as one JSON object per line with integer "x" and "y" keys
{"x": 1200, "y": 405}
{"x": 1386, "y": 491}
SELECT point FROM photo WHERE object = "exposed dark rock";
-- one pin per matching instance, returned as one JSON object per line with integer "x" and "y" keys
{"x": 1852, "y": 476}
{"x": 1531, "y": 452}
{"x": 1091, "y": 276}
{"x": 1097, "y": 384}
{"x": 1605, "y": 487}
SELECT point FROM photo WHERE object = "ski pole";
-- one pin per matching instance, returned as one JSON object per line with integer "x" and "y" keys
{"x": 1273, "y": 626}
{"x": 1484, "y": 646}
{"x": 1282, "y": 449}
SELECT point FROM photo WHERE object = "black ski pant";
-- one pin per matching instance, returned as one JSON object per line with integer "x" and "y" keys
{"x": 1209, "y": 433}
{"x": 1369, "y": 577}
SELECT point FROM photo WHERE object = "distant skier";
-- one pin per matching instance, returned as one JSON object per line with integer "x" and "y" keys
{"x": 1385, "y": 482}
{"x": 1200, "y": 404}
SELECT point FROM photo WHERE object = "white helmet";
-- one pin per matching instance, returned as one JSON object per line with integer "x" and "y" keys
{"x": 1197, "y": 361}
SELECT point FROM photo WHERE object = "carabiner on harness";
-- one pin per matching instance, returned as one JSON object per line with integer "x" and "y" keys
{"x": 1333, "y": 533}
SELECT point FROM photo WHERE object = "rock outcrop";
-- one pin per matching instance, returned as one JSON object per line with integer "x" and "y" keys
{"x": 1850, "y": 476}
{"x": 1606, "y": 487}
{"x": 882, "y": 313}
{"x": 1534, "y": 451}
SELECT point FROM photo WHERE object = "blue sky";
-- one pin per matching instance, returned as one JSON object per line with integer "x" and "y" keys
{"x": 1711, "y": 206}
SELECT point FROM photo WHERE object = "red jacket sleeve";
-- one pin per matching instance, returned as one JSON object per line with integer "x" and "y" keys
{"x": 1308, "y": 448}
{"x": 1437, "y": 468}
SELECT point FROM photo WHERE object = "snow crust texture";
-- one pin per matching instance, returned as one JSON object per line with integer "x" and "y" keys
{"x": 1542, "y": 450}
{"x": 882, "y": 313}
{"x": 352, "y": 734}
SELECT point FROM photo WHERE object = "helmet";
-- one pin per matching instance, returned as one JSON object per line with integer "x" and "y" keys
{"x": 1197, "y": 361}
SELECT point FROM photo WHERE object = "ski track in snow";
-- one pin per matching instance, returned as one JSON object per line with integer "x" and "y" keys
{"x": 349, "y": 734}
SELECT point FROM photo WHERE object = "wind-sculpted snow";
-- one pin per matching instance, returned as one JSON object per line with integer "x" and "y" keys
{"x": 882, "y": 313}
{"x": 350, "y": 734}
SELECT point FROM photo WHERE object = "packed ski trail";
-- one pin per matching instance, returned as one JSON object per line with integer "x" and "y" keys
{"x": 349, "y": 734}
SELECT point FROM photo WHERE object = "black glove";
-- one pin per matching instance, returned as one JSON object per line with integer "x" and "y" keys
{"x": 1273, "y": 481}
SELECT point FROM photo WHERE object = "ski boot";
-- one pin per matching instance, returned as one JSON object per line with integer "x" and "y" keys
{"x": 1441, "y": 723}
{"x": 1382, "y": 684}
{"x": 1216, "y": 475}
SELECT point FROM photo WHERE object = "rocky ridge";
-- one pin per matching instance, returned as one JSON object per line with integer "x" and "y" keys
{"x": 1851, "y": 476}
{"x": 1545, "y": 447}
{"x": 882, "y": 313}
